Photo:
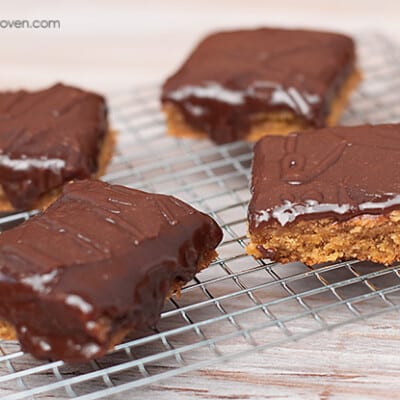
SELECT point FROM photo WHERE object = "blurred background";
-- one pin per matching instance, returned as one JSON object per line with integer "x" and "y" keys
{"x": 111, "y": 45}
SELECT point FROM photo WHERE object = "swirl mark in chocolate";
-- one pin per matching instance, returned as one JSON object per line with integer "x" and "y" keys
{"x": 71, "y": 301}
{"x": 294, "y": 165}
{"x": 47, "y": 138}
{"x": 336, "y": 172}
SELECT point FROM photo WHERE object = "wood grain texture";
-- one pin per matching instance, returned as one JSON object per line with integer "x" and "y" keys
{"x": 355, "y": 362}
{"x": 109, "y": 46}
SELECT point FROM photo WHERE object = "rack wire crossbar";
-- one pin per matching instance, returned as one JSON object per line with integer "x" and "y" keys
{"x": 238, "y": 305}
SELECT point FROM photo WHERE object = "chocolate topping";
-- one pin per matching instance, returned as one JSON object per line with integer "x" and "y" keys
{"x": 47, "y": 138}
{"x": 98, "y": 262}
{"x": 334, "y": 172}
{"x": 231, "y": 77}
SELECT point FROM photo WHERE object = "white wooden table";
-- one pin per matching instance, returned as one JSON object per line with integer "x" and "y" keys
{"x": 108, "y": 46}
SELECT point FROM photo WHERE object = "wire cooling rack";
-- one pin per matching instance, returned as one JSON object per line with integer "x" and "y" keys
{"x": 238, "y": 305}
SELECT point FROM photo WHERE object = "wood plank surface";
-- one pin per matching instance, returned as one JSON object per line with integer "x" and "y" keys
{"x": 113, "y": 45}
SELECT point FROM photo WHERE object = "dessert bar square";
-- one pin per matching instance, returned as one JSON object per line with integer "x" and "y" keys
{"x": 97, "y": 264}
{"x": 245, "y": 84}
{"x": 326, "y": 195}
{"x": 47, "y": 138}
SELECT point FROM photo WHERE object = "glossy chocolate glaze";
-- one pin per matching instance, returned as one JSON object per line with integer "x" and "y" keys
{"x": 99, "y": 261}
{"x": 231, "y": 77}
{"x": 336, "y": 172}
{"x": 47, "y": 138}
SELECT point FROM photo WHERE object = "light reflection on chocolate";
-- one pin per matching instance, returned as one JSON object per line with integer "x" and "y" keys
{"x": 336, "y": 172}
{"x": 47, "y": 138}
{"x": 235, "y": 76}
{"x": 99, "y": 262}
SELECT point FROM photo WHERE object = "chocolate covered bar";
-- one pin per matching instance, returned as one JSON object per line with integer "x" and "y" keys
{"x": 47, "y": 138}
{"x": 327, "y": 195}
{"x": 249, "y": 83}
{"x": 97, "y": 264}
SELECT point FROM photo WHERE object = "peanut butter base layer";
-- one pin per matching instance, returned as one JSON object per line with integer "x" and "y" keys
{"x": 368, "y": 237}
{"x": 46, "y": 199}
{"x": 272, "y": 123}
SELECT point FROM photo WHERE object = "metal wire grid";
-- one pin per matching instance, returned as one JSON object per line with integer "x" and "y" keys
{"x": 238, "y": 305}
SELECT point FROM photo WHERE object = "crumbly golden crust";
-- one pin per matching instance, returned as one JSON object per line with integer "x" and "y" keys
{"x": 272, "y": 123}
{"x": 46, "y": 199}
{"x": 367, "y": 237}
